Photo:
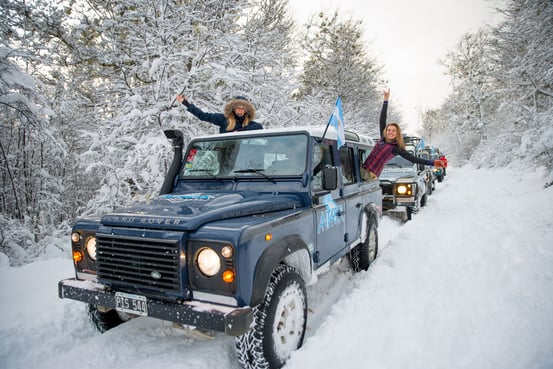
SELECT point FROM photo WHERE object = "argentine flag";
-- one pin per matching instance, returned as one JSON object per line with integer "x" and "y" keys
{"x": 420, "y": 146}
{"x": 337, "y": 121}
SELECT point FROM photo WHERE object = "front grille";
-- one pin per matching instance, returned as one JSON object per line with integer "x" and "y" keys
{"x": 138, "y": 263}
{"x": 388, "y": 202}
{"x": 387, "y": 188}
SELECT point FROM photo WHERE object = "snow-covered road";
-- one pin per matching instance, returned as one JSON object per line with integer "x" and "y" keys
{"x": 467, "y": 284}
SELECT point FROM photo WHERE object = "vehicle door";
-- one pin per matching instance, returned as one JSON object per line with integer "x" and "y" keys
{"x": 370, "y": 190}
{"x": 329, "y": 207}
{"x": 351, "y": 193}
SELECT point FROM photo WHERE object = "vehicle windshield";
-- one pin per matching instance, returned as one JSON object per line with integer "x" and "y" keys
{"x": 398, "y": 161}
{"x": 268, "y": 156}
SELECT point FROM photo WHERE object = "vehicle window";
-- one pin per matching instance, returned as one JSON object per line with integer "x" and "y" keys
{"x": 347, "y": 165}
{"x": 425, "y": 155}
{"x": 286, "y": 155}
{"x": 200, "y": 161}
{"x": 274, "y": 155}
{"x": 398, "y": 161}
{"x": 322, "y": 157}
{"x": 363, "y": 154}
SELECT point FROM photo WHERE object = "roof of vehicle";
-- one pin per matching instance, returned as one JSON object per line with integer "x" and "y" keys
{"x": 315, "y": 131}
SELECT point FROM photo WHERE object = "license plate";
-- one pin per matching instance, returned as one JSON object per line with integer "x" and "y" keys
{"x": 129, "y": 303}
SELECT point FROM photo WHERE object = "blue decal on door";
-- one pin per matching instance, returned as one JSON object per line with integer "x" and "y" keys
{"x": 331, "y": 215}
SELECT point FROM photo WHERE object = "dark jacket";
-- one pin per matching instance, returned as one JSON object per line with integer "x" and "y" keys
{"x": 397, "y": 150}
{"x": 384, "y": 151}
{"x": 221, "y": 120}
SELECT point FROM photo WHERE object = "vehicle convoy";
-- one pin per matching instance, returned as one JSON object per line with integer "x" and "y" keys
{"x": 242, "y": 223}
{"x": 433, "y": 154}
{"x": 429, "y": 174}
{"x": 443, "y": 158}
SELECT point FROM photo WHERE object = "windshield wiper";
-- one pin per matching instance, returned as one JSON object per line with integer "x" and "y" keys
{"x": 254, "y": 170}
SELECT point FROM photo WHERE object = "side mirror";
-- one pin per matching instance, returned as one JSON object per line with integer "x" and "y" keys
{"x": 329, "y": 178}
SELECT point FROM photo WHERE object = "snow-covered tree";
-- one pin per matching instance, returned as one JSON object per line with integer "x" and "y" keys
{"x": 32, "y": 150}
{"x": 269, "y": 59}
{"x": 142, "y": 54}
{"x": 471, "y": 105}
{"x": 337, "y": 64}
{"x": 525, "y": 77}
{"x": 502, "y": 95}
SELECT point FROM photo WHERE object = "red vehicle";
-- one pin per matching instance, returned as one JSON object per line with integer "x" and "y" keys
{"x": 444, "y": 159}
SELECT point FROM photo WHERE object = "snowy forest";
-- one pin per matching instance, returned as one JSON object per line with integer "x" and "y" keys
{"x": 88, "y": 86}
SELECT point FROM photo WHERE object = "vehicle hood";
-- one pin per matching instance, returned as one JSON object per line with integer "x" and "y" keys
{"x": 188, "y": 211}
{"x": 392, "y": 174}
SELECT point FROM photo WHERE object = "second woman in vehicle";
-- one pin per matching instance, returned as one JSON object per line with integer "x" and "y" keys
{"x": 390, "y": 144}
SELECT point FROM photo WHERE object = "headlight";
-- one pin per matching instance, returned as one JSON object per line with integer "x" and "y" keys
{"x": 90, "y": 247}
{"x": 209, "y": 262}
{"x": 405, "y": 189}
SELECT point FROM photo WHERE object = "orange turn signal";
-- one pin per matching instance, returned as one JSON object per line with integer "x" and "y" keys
{"x": 77, "y": 256}
{"x": 228, "y": 276}
{"x": 268, "y": 236}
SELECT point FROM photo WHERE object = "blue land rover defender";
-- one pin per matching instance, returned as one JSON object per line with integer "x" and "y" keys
{"x": 243, "y": 222}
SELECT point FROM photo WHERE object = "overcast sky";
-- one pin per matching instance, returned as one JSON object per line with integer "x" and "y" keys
{"x": 408, "y": 37}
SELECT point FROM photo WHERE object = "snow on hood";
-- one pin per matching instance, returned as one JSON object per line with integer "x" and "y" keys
{"x": 188, "y": 211}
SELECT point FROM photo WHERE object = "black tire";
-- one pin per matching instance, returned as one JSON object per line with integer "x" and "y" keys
{"x": 362, "y": 255}
{"x": 424, "y": 199}
{"x": 279, "y": 323}
{"x": 103, "y": 321}
{"x": 409, "y": 213}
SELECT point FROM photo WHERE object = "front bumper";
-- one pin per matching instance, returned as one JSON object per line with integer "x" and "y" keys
{"x": 399, "y": 212}
{"x": 405, "y": 201}
{"x": 390, "y": 202}
{"x": 230, "y": 320}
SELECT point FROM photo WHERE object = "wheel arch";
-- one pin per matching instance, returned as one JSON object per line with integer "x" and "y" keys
{"x": 372, "y": 212}
{"x": 292, "y": 251}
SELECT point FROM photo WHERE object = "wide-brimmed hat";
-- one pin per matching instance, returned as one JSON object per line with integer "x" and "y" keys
{"x": 240, "y": 101}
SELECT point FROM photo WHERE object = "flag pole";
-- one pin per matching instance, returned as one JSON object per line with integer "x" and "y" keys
{"x": 329, "y": 120}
